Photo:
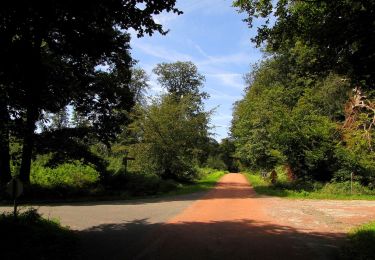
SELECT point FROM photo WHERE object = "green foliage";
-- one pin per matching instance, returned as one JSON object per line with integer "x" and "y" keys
{"x": 139, "y": 85}
{"x": 227, "y": 154}
{"x": 31, "y": 236}
{"x": 74, "y": 175}
{"x": 216, "y": 162}
{"x": 318, "y": 36}
{"x": 141, "y": 184}
{"x": 181, "y": 78}
{"x": 169, "y": 135}
{"x": 284, "y": 121}
{"x": 298, "y": 108}
{"x": 309, "y": 189}
{"x": 208, "y": 179}
{"x": 53, "y": 55}
{"x": 346, "y": 188}
{"x": 361, "y": 243}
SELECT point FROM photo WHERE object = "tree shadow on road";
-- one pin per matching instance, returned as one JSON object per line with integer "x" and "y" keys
{"x": 242, "y": 239}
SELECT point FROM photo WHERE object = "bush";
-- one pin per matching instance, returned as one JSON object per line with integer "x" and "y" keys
{"x": 138, "y": 184}
{"x": 115, "y": 164}
{"x": 74, "y": 174}
{"x": 345, "y": 188}
{"x": 168, "y": 185}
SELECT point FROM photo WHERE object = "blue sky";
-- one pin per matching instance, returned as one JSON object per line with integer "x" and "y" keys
{"x": 213, "y": 36}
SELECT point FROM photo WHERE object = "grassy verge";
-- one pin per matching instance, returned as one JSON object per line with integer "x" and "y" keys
{"x": 207, "y": 181}
{"x": 361, "y": 243}
{"x": 32, "y": 237}
{"x": 262, "y": 186}
{"x": 136, "y": 187}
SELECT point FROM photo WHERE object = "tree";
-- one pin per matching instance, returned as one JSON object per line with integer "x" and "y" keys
{"x": 50, "y": 52}
{"x": 60, "y": 119}
{"x": 337, "y": 35}
{"x": 287, "y": 119}
{"x": 170, "y": 137}
{"x": 228, "y": 149}
{"x": 181, "y": 78}
{"x": 293, "y": 111}
{"x": 5, "y": 174}
{"x": 172, "y": 131}
{"x": 139, "y": 85}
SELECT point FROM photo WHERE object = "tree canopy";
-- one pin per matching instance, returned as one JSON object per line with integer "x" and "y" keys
{"x": 50, "y": 57}
{"x": 299, "y": 108}
{"x": 331, "y": 36}
{"x": 172, "y": 131}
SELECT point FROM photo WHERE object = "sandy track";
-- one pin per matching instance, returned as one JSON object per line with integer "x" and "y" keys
{"x": 232, "y": 222}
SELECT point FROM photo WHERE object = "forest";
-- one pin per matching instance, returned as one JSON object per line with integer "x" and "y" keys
{"x": 76, "y": 119}
{"x": 309, "y": 106}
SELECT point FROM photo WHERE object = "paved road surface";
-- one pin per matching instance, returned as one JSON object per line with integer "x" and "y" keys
{"x": 229, "y": 222}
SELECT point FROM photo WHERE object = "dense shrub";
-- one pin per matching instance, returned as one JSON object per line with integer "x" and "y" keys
{"x": 346, "y": 188}
{"x": 74, "y": 174}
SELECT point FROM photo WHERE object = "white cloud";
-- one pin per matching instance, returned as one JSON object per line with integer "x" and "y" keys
{"x": 165, "y": 18}
{"x": 234, "y": 80}
{"x": 161, "y": 52}
{"x": 219, "y": 95}
{"x": 235, "y": 58}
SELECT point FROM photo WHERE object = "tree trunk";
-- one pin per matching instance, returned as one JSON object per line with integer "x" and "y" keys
{"x": 5, "y": 174}
{"x": 28, "y": 144}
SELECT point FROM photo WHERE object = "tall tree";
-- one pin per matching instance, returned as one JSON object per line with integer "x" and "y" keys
{"x": 173, "y": 130}
{"x": 170, "y": 137}
{"x": 50, "y": 52}
{"x": 329, "y": 35}
{"x": 181, "y": 78}
{"x": 139, "y": 85}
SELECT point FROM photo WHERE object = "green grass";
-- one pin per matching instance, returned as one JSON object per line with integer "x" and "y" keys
{"x": 360, "y": 243}
{"x": 330, "y": 191}
{"x": 128, "y": 187}
{"x": 32, "y": 237}
{"x": 208, "y": 180}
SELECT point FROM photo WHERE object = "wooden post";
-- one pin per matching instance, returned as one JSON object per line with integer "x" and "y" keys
{"x": 125, "y": 161}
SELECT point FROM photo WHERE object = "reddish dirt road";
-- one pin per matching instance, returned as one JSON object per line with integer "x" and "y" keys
{"x": 232, "y": 222}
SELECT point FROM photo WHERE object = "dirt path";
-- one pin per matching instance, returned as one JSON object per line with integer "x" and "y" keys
{"x": 232, "y": 222}
{"x": 229, "y": 222}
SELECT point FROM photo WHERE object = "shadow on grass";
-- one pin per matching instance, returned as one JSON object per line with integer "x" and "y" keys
{"x": 241, "y": 239}
{"x": 30, "y": 236}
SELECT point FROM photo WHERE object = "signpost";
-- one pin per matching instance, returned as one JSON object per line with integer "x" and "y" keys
{"x": 125, "y": 160}
{"x": 14, "y": 188}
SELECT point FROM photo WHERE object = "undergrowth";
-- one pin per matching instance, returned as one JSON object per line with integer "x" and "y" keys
{"x": 309, "y": 190}
{"x": 30, "y": 236}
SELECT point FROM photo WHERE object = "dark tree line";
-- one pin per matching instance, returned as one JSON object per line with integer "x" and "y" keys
{"x": 50, "y": 55}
